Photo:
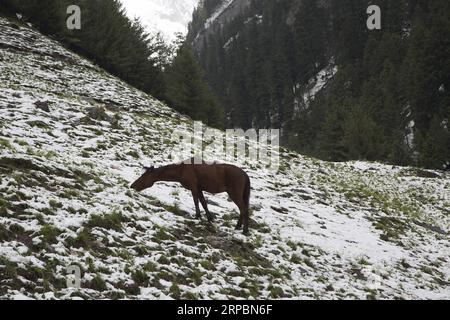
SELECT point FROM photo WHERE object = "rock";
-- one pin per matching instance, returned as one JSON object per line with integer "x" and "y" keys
{"x": 427, "y": 174}
{"x": 280, "y": 210}
{"x": 431, "y": 227}
{"x": 38, "y": 124}
{"x": 43, "y": 105}
{"x": 97, "y": 113}
{"x": 305, "y": 197}
{"x": 421, "y": 173}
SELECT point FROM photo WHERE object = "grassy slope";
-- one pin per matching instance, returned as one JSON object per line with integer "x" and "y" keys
{"x": 319, "y": 230}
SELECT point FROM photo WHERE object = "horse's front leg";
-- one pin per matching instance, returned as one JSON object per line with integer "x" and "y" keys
{"x": 196, "y": 202}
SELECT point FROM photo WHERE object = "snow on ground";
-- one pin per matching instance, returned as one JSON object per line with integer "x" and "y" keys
{"x": 319, "y": 230}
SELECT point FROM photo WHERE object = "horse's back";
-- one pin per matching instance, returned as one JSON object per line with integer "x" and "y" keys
{"x": 217, "y": 178}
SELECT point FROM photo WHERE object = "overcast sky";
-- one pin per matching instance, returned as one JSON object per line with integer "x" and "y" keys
{"x": 168, "y": 16}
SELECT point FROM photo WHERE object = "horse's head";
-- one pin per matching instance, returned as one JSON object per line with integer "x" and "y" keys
{"x": 147, "y": 180}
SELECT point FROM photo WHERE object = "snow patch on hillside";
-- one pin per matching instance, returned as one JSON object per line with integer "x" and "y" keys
{"x": 218, "y": 12}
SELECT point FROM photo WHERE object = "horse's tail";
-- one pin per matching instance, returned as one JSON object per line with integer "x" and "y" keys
{"x": 247, "y": 192}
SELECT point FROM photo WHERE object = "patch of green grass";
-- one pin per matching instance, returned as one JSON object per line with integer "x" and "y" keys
{"x": 85, "y": 154}
{"x": 308, "y": 262}
{"x": 134, "y": 154}
{"x": 189, "y": 296}
{"x": 164, "y": 275}
{"x": 116, "y": 295}
{"x": 47, "y": 211}
{"x": 358, "y": 191}
{"x": 162, "y": 235}
{"x": 41, "y": 153}
{"x": 207, "y": 265}
{"x": 38, "y": 124}
{"x": 5, "y": 234}
{"x": 125, "y": 254}
{"x": 392, "y": 228}
{"x": 70, "y": 194}
{"x": 9, "y": 269}
{"x": 296, "y": 259}
{"x": 72, "y": 210}
{"x": 276, "y": 292}
{"x": 329, "y": 288}
{"x": 17, "y": 229}
{"x": 252, "y": 286}
{"x": 96, "y": 131}
{"x": 427, "y": 270}
{"x": 175, "y": 209}
{"x": 292, "y": 245}
{"x": 130, "y": 289}
{"x": 232, "y": 292}
{"x": 175, "y": 291}
{"x": 111, "y": 221}
{"x": 196, "y": 276}
{"x": 5, "y": 144}
{"x": 98, "y": 284}
{"x": 140, "y": 277}
{"x": 49, "y": 234}
{"x": 164, "y": 260}
{"x": 141, "y": 250}
{"x": 22, "y": 143}
{"x": 84, "y": 239}
{"x": 4, "y": 206}
{"x": 55, "y": 204}
{"x": 150, "y": 267}
{"x": 363, "y": 261}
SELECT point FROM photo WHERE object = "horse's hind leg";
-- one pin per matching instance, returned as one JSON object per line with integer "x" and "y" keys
{"x": 205, "y": 206}
{"x": 238, "y": 201}
{"x": 240, "y": 222}
{"x": 245, "y": 218}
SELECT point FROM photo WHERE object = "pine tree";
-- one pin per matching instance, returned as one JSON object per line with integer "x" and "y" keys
{"x": 362, "y": 137}
{"x": 187, "y": 90}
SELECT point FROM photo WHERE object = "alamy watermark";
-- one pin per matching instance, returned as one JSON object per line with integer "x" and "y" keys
{"x": 73, "y": 21}
{"x": 205, "y": 145}
{"x": 73, "y": 279}
{"x": 374, "y": 19}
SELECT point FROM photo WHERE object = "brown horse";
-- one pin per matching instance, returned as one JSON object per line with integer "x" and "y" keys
{"x": 199, "y": 178}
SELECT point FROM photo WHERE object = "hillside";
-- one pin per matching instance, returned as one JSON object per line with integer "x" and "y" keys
{"x": 72, "y": 140}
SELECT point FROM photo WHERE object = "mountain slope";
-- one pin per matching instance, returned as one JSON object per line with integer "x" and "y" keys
{"x": 336, "y": 89}
{"x": 72, "y": 140}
